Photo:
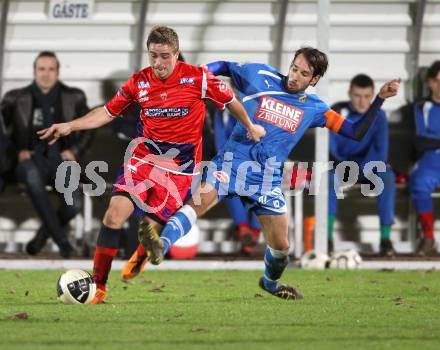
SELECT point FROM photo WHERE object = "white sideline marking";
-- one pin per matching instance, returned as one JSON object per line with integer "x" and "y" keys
{"x": 41, "y": 264}
{"x": 401, "y": 265}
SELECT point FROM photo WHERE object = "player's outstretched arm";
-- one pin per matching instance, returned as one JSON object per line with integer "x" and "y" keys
{"x": 357, "y": 130}
{"x": 242, "y": 75}
{"x": 255, "y": 131}
{"x": 220, "y": 68}
{"x": 92, "y": 120}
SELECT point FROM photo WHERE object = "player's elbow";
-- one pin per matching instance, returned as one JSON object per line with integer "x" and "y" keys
{"x": 359, "y": 133}
{"x": 358, "y": 136}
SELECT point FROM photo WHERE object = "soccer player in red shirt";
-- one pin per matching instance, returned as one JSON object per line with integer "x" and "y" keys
{"x": 159, "y": 165}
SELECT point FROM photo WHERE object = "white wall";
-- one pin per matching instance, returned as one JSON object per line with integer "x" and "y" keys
{"x": 366, "y": 36}
{"x": 89, "y": 52}
{"x": 430, "y": 45}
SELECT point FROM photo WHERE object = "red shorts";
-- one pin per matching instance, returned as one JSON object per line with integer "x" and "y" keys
{"x": 158, "y": 193}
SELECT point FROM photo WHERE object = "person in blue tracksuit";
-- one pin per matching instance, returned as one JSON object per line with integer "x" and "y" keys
{"x": 372, "y": 148}
{"x": 425, "y": 175}
{"x": 279, "y": 105}
{"x": 245, "y": 221}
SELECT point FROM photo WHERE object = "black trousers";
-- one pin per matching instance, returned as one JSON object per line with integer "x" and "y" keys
{"x": 35, "y": 174}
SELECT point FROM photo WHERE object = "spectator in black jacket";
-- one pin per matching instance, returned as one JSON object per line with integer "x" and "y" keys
{"x": 25, "y": 111}
{"x": 4, "y": 146}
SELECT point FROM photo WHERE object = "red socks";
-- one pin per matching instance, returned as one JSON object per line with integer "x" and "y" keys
{"x": 102, "y": 264}
{"x": 106, "y": 249}
{"x": 426, "y": 220}
{"x": 140, "y": 251}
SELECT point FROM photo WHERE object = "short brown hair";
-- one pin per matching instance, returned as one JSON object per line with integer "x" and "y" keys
{"x": 46, "y": 54}
{"x": 433, "y": 70}
{"x": 362, "y": 81}
{"x": 163, "y": 35}
{"x": 316, "y": 59}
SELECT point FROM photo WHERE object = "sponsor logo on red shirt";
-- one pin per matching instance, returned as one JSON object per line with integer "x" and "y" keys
{"x": 170, "y": 112}
{"x": 143, "y": 84}
{"x": 187, "y": 81}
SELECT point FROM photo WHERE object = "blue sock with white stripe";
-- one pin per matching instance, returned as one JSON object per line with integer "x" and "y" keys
{"x": 178, "y": 226}
{"x": 275, "y": 262}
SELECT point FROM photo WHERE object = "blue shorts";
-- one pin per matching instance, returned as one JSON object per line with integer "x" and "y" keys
{"x": 259, "y": 190}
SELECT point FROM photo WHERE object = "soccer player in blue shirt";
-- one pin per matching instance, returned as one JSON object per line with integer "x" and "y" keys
{"x": 425, "y": 176}
{"x": 372, "y": 148}
{"x": 253, "y": 170}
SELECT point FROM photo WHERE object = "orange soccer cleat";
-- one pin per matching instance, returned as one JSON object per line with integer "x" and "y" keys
{"x": 134, "y": 266}
{"x": 99, "y": 297}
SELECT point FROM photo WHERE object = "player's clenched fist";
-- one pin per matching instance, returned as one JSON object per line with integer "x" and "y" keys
{"x": 256, "y": 132}
{"x": 389, "y": 89}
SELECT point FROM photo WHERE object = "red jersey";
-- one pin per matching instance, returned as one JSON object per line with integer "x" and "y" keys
{"x": 172, "y": 114}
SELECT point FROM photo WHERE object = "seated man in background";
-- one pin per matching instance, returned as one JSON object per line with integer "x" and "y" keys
{"x": 425, "y": 176}
{"x": 373, "y": 147}
{"x": 27, "y": 110}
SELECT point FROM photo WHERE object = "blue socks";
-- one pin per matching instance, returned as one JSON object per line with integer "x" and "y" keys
{"x": 275, "y": 262}
{"x": 178, "y": 226}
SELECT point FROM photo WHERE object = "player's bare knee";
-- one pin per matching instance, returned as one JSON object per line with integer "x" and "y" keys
{"x": 113, "y": 218}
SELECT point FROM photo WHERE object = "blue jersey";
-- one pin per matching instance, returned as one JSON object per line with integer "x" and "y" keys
{"x": 373, "y": 146}
{"x": 427, "y": 126}
{"x": 284, "y": 115}
{"x": 425, "y": 175}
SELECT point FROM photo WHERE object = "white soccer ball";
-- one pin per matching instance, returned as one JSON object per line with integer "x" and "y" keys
{"x": 76, "y": 287}
{"x": 314, "y": 260}
{"x": 348, "y": 260}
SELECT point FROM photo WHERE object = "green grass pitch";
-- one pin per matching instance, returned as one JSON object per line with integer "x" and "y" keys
{"x": 226, "y": 310}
